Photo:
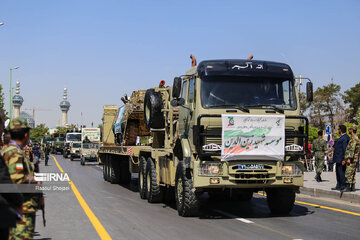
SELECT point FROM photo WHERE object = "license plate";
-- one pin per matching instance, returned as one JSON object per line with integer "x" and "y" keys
{"x": 250, "y": 166}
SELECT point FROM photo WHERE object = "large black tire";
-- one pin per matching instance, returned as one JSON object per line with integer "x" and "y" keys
{"x": 280, "y": 200}
{"x": 142, "y": 178}
{"x": 104, "y": 167}
{"x": 153, "y": 105}
{"x": 154, "y": 193}
{"x": 187, "y": 201}
{"x": 114, "y": 171}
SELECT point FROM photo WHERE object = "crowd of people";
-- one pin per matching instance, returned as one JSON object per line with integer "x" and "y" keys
{"x": 19, "y": 160}
{"x": 344, "y": 155}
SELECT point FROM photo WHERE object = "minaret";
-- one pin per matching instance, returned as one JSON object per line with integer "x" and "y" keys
{"x": 17, "y": 101}
{"x": 64, "y": 106}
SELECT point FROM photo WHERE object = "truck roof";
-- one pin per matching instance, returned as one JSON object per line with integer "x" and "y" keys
{"x": 243, "y": 67}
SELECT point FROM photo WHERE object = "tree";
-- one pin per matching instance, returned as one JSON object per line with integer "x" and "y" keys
{"x": 64, "y": 130}
{"x": 352, "y": 97}
{"x": 2, "y": 102}
{"x": 304, "y": 105}
{"x": 38, "y": 132}
{"x": 327, "y": 104}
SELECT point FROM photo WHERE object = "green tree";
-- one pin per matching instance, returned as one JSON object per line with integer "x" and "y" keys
{"x": 304, "y": 105}
{"x": 327, "y": 103}
{"x": 2, "y": 102}
{"x": 38, "y": 132}
{"x": 64, "y": 130}
{"x": 352, "y": 97}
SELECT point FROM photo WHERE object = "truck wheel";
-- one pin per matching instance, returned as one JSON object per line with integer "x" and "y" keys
{"x": 154, "y": 193}
{"x": 187, "y": 202}
{"x": 153, "y": 105}
{"x": 142, "y": 178}
{"x": 114, "y": 170}
{"x": 104, "y": 168}
{"x": 280, "y": 200}
{"x": 71, "y": 158}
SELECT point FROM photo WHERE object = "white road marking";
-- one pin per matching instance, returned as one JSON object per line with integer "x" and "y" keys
{"x": 233, "y": 216}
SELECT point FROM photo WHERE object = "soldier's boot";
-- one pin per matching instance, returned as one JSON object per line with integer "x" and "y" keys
{"x": 347, "y": 188}
{"x": 320, "y": 180}
{"x": 317, "y": 177}
{"x": 352, "y": 187}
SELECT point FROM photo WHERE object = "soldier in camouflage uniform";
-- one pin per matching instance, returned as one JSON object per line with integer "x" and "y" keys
{"x": 318, "y": 151}
{"x": 21, "y": 172}
{"x": 351, "y": 159}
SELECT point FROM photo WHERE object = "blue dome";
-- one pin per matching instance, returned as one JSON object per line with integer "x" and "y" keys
{"x": 17, "y": 99}
{"x": 64, "y": 105}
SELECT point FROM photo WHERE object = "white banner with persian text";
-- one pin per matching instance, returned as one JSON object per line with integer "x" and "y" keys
{"x": 249, "y": 137}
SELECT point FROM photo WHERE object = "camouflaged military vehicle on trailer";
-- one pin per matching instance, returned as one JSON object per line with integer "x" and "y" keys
{"x": 227, "y": 127}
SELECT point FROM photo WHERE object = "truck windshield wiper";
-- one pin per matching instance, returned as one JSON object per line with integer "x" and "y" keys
{"x": 279, "y": 110}
{"x": 241, "y": 108}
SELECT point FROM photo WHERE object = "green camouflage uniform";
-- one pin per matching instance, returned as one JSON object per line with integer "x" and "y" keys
{"x": 352, "y": 152}
{"x": 319, "y": 149}
{"x": 20, "y": 169}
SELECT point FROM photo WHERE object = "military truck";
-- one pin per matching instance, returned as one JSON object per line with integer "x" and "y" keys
{"x": 69, "y": 138}
{"x": 75, "y": 150}
{"x": 58, "y": 145}
{"x": 89, "y": 145}
{"x": 227, "y": 128}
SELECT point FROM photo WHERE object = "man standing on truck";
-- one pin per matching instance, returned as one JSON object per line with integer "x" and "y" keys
{"x": 319, "y": 149}
{"x": 351, "y": 158}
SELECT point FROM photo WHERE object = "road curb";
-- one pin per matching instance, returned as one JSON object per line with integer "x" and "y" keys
{"x": 346, "y": 196}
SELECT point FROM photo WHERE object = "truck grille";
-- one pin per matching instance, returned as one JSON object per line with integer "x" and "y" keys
{"x": 253, "y": 176}
{"x": 213, "y": 130}
{"x": 289, "y": 141}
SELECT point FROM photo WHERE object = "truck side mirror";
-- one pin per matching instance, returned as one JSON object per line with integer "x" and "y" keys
{"x": 309, "y": 92}
{"x": 177, "y": 102}
{"x": 176, "y": 87}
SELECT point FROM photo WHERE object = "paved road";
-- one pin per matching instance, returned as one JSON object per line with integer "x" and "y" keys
{"x": 124, "y": 215}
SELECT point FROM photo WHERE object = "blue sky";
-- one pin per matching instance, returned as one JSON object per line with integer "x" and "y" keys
{"x": 100, "y": 50}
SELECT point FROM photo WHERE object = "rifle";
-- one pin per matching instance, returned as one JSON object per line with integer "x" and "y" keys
{"x": 42, "y": 207}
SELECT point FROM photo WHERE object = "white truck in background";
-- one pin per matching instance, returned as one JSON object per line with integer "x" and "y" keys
{"x": 90, "y": 144}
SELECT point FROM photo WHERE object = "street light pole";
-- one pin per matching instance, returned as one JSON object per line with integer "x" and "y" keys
{"x": 10, "y": 93}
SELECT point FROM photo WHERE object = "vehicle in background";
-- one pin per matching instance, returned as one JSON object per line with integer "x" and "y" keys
{"x": 89, "y": 152}
{"x": 75, "y": 150}
{"x": 58, "y": 145}
{"x": 73, "y": 137}
{"x": 66, "y": 150}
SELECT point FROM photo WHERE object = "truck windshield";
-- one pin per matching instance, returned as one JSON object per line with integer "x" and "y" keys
{"x": 59, "y": 139}
{"x": 75, "y": 137}
{"x": 76, "y": 145}
{"x": 247, "y": 91}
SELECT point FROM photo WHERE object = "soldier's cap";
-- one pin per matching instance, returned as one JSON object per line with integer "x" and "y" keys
{"x": 18, "y": 123}
{"x": 353, "y": 127}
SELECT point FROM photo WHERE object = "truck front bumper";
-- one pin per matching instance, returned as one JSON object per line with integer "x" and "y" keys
{"x": 247, "y": 174}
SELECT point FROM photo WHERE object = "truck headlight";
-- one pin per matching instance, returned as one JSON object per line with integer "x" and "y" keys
{"x": 291, "y": 170}
{"x": 209, "y": 169}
